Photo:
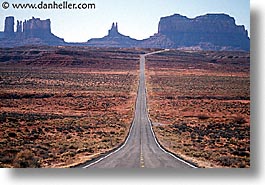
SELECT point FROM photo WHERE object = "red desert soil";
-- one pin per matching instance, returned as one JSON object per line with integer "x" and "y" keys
{"x": 199, "y": 103}
{"x": 62, "y": 106}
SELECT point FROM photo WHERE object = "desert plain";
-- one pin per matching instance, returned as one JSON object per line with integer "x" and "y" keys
{"x": 62, "y": 106}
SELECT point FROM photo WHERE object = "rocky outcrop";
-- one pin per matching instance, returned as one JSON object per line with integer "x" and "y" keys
{"x": 207, "y": 32}
{"x": 9, "y": 27}
{"x": 37, "y": 28}
{"x": 157, "y": 41}
{"x": 113, "y": 39}
{"x": 30, "y": 32}
{"x": 113, "y": 32}
{"x": 19, "y": 27}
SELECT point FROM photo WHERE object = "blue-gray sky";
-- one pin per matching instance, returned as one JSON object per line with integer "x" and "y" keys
{"x": 136, "y": 18}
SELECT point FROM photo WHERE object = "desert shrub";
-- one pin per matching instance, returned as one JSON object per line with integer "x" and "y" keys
{"x": 68, "y": 137}
{"x": 26, "y": 159}
{"x": 227, "y": 161}
{"x": 203, "y": 117}
{"x": 69, "y": 95}
{"x": 73, "y": 147}
{"x": 242, "y": 153}
{"x": 240, "y": 120}
{"x": 3, "y": 117}
{"x": 170, "y": 97}
{"x": 12, "y": 134}
{"x": 7, "y": 159}
{"x": 106, "y": 140}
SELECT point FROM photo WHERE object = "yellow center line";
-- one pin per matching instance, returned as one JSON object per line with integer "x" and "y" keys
{"x": 142, "y": 161}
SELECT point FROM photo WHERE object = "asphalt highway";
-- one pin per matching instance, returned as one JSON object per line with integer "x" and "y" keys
{"x": 141, "y": 149}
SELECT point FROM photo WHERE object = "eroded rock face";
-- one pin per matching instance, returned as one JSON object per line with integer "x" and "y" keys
{"x": 206, "y": 32}
{"x": 113, "y": 39}
{"x": 31, "y": 32}
{"x": 36, "y": 27}
{"x": 19, "y": 27}
{"x": 9, "y": 27}
{"x": 211, "y": 31}
{"x": 113, "y": 32}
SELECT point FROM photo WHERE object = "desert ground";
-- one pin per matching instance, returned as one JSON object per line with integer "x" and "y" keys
{"x": 62, "y": 106}
{"x": 199, "y": 103}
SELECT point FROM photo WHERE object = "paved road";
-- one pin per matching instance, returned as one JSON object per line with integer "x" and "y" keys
{"x": 141, "y": 149}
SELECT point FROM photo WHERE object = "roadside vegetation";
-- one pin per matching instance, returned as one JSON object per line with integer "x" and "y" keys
{"x": 62, "y": 106}
{"x": 199, "y": 103}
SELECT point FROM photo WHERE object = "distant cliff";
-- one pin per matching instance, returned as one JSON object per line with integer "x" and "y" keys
{"x": 29, "y": 32}
{"x": 210, "y": 32}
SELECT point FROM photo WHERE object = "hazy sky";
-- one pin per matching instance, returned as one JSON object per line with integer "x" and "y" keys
{"x": 136, "y": 18}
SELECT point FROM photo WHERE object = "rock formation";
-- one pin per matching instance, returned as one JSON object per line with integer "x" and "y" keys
{"x": 113, "y": 32}
{"x": 37, "y": 28}
{"x": 30, "y": 32}
{"x": 210, "y": 32}
{"x": 19, "y": 27}
{"x": 9, "y": 27}
{"x": 207, "y": 32}
{"x": 113, "y": 39}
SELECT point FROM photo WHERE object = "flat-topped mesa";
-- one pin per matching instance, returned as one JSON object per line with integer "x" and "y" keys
{"x": 33, "y": 31}
{"x": 36, "y": 27}
{"x": 30, "y": 28}
{"x": 210, "y": 23}
{"x": 206, "y": 32}
{"x": 218, "y": 30}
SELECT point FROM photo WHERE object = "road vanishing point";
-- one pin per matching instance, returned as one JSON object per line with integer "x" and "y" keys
{"x": 141, "y": 148}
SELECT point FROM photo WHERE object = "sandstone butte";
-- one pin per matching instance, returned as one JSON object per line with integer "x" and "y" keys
{"x": 206, "y": 32}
